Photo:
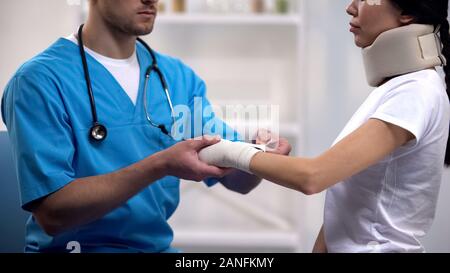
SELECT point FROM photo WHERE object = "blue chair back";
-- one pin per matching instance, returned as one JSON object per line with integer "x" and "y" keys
{"x": 12, "y": 217}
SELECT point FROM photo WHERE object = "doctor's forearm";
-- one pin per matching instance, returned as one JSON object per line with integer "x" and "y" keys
{"x": 320, "y": 245}
{"x": 88, "y": 199}
{"x": 241, "y": 182}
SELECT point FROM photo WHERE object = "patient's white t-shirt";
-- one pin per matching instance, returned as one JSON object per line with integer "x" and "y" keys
{"x": 390, "y": 205}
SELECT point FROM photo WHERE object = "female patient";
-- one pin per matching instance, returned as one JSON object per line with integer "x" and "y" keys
{"x": 383, "y": 172}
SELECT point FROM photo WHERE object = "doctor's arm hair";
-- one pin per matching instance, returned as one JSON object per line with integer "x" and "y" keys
{"x": 369, "y": 144}
{"x": 88, "y": 199}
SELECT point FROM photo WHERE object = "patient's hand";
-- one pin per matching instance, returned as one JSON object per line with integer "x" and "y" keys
{"x": 274, "y": 144}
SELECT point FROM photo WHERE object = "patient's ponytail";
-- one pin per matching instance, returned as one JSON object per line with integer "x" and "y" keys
{"x": 445, "y": 38}
{"x": 432, "y": 12}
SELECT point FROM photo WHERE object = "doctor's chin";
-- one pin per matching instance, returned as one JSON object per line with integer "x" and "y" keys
{"x": 234, "y": 135}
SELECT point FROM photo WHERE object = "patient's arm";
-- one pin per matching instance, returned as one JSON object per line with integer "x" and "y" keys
{"x": 369, "y": 144}
{"x": 373, "y": 141}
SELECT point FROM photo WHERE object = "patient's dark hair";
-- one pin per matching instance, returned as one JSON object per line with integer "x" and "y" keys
{"x": 432, "y": 12}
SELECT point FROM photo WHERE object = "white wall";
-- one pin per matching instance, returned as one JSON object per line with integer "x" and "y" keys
{"x": 438, "y": 238}
{"x": 28, "y": 27}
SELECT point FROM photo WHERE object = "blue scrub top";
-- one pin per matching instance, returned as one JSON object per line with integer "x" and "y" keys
{"x": 47, "y": 111}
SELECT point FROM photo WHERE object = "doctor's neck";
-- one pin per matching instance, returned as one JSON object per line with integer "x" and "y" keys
{"x": 106, "y": 39}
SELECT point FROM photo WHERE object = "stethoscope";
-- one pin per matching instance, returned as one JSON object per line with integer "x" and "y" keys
{"x": 98, "y": 131}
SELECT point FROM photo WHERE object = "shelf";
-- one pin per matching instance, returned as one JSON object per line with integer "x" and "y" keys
{"x": 240, "y": 226}
{"x": 286, "y": 129}
{"x": 232, "y": 19}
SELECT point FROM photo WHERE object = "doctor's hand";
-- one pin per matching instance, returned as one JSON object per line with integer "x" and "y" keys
{"x": 274, "y": 143}
{"x": 182, "y": 160}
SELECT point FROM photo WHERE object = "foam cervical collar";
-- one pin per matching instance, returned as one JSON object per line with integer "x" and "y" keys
{"x": 402, "y": 50}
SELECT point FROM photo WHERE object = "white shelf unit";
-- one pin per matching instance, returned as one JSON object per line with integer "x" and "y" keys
{"x": 244, "y": 59}
{"x": 229, "y": 19}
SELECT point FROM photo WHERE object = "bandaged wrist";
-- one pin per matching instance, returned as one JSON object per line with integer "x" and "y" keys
{"x": 227, "y": 154}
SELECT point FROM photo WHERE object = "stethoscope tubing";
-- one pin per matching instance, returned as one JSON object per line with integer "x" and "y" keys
{"x": 98, "y": 132}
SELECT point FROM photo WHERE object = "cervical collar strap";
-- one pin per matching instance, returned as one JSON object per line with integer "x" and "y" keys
{"x": 402, "y": 50}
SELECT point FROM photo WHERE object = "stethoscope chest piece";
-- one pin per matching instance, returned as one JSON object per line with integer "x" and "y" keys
{"x": 98, "y": 132}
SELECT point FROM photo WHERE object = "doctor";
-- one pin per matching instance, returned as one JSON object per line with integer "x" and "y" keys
{"x": 95, "y": 161}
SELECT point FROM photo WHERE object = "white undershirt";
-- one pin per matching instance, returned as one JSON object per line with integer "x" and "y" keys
{"x": 125, "y": 71}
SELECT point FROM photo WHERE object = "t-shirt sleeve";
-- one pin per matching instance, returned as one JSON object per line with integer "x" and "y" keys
{"x": 41, "y": 136}
{"x": 410, "y": 106}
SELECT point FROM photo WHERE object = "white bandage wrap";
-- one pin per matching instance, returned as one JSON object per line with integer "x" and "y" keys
{"x": 227, "y": 154}
{"x": 402, "y": 50}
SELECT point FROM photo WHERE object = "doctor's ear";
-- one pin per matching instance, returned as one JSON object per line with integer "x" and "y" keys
{"x": 406, "y": 19}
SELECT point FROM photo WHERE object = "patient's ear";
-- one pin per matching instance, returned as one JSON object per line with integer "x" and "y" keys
{"x": 406, "y": 19}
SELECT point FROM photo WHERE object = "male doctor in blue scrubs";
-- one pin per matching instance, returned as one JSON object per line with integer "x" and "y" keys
{"x": 115, "y": 195}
